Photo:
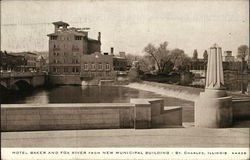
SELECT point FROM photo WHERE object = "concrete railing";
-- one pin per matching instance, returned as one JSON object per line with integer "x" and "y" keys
{"x": 241, "y": 109}
{"x": 20, "y": 74}
{"x": 140, "y": 113}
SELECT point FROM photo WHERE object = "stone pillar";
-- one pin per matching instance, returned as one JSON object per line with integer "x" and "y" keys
{"x": 213, "y": 109}
{"x": 142, "y": 113}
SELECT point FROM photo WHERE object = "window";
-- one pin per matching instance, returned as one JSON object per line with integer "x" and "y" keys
{"x": 77, "y": 69}
{"x": 56, "y": 61}
{"x": 65, "y": 69}
{"x": 100, "y": 66}
{"x": 53, "y": 37}
{"x": 78, "y": 38}
{"x": 93, "y": 66}
{"x": 85, "y": 66}
{"x": 107, "y": 66}
{"x": 55, "y": 69}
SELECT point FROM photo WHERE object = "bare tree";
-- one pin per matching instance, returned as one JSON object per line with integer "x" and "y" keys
{"x": 159, "y": 54}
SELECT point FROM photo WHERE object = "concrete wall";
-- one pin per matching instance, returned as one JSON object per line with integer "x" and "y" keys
{"x": 156, "y": 115}
{"x": 38, "y": 81}
{"x": 139, "y": 114}
{"x": 241, "y": 109}
{"x": 66, "y": 116}
{"x": 65, "y": 79}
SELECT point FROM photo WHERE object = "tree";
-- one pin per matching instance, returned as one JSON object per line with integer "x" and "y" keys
{"x": 179, "y": 59}
{"x": 160, "y": 55}
{"x": 205, "y": 55}
{"x": 195, "y": 55}
{"x": 242, "y": 52}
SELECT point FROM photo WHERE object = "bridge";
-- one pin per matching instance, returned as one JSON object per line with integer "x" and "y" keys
{"x": 21, "y": 80}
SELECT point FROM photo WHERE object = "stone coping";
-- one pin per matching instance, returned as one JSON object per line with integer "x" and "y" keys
{"x": 105, "y": 105}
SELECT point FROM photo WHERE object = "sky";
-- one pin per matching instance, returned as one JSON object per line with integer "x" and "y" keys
{"x": 129, "y": 25}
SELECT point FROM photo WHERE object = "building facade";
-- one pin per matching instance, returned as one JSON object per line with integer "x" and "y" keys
{"x": 228, "y": 57}
{"x": 41, "y": 65}
{"x": 30, "y": 59}
{"x": 72, "y": 55}
{"x": 10, "y": 62}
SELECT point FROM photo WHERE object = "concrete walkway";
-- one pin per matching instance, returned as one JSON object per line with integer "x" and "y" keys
{"x": 167, "y": 137}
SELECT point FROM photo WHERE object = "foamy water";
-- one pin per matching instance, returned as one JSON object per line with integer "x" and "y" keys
{"x": 177, "y": 93}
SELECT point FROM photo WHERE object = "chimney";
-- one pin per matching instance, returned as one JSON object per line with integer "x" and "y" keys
{"x": 112, "y": 51}
{"x": 99, "y": 36}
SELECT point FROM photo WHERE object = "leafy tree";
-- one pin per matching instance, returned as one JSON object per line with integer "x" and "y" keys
{"x": 242, "y": 52}
{"x": 195, "y": 55}
{"x": 179, "y": 59}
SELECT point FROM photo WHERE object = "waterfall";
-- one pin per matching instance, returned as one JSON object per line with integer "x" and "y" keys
{"x": 84, "y": 83}
{"x": 181, "y": 92}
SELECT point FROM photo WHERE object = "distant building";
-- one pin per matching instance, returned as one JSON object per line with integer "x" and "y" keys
{"x": 41, "y": 64}
{"x": 97, "y": 65}
{"x": 11, "y": 62}
{"x": 228, "y": 57}
{"x": 198, "y": 67}
{"x": 73, "y": 55}
{"x": 30, "y": 60}
{"x": 119, "y": 61}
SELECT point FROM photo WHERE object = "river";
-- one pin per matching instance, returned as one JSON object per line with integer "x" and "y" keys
{"x": 93, "y": 94}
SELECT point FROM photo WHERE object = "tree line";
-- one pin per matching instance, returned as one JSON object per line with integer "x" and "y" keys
{"x": 161, "y": 60}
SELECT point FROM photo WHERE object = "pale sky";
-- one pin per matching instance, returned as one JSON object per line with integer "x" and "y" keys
{"x": 129, "y": 25}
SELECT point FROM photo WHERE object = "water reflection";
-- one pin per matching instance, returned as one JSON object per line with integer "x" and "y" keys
{"x": 95, "y": 94}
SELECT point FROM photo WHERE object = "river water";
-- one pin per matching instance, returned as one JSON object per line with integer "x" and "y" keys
{"x": 93, "y": 94}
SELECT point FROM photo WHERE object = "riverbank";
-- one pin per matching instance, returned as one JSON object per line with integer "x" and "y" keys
{"x": 169, "y": 90}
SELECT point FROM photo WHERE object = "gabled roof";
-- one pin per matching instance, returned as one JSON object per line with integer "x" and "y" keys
{"x": 60, "y": 23}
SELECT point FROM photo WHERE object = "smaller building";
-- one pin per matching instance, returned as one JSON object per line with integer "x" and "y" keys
{"x": 41, "y": 64}
{"x": 228, "y": 57}
{"x": 10, "y": 62}
{"x": 119, "y": 61}
{"x": 96, "y": 65}
{"x": 30, "y": 60}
